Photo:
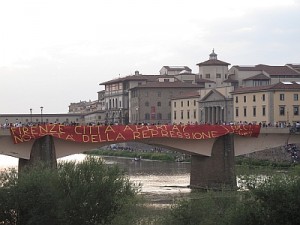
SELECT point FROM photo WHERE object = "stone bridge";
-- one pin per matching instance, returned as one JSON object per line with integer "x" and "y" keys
{"x": 212, "y": 164}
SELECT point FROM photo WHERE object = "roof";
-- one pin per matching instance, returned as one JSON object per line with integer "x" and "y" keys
{"x": 193, "y": 94}
{"x": 271, "y": 70}
{"x": 260, "y": 76}
{"x": 176, "y": 84}
{"x": 131, "y": 78}
{"x": 294, "y": 66}
{"x": 230, "y": 80}
{"x": 211, "y": 92}
{"x": 213, "y": 62}
{"x": 176, "y": 68}
{"x": 201, "y": 80}
{"x": 286, "y": 86}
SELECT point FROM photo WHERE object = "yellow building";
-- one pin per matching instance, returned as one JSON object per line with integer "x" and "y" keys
{"x": 185, "y": 109}
{"x": 273, "y": 104}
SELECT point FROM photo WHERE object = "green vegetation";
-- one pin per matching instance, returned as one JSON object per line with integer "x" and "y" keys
{"x": 89, "y": 192}
{"x": 164, "y": 156}
{"x": 269, "y": 200}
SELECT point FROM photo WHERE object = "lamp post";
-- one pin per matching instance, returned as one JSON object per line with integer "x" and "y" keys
{"x": 30, "y": 115}
{"x": 42, "y": 113}
{"x": 136, "y": 114}
{"x": 120, "y": 115}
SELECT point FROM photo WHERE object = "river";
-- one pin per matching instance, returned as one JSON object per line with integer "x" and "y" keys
{"x": 160, "y": 181}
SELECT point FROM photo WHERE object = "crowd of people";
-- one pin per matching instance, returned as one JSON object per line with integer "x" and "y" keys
{"x": 294, "y": 127}
{"x": 293, "y": 150}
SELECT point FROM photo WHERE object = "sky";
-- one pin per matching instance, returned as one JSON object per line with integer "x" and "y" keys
{"x": 57, "y": 52}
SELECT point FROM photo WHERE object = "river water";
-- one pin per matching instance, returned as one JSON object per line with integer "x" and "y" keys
{"x": 160, "y": 181}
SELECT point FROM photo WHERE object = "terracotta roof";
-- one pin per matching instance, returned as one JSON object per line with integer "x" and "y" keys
{"x": 274, "y": 87}
{"x": 260, "y": 76}
{"x": 175, "y": 68}
{"x": 133, "y": 78}
{"x": 201, "y": 80}
{"x": 194, "y": 94}
{"x": 213, "y": 62}
{"x": 294, "y": 67}
{"x": 271, "y": 70}
{"x": 176, "y": 84}
{"x": 230, "y": 80}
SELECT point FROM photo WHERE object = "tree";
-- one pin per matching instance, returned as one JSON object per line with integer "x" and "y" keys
{"x": 88, "y": 192}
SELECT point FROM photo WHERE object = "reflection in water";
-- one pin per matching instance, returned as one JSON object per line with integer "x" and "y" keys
{"x": 156, "y": 176}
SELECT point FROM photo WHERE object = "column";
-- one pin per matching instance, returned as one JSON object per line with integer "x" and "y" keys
{"x": 218, "y": 170}
{"x": 43, "y": 150}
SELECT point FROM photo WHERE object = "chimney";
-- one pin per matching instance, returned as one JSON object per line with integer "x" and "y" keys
{"x": 136, "y": 73}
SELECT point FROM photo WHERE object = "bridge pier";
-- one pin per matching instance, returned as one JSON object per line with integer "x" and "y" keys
{"x": 218, "y": 170}
{"x": 43, "y": 150}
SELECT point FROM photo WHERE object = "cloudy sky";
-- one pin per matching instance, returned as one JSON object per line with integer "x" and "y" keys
{"x": 54, "y": 52}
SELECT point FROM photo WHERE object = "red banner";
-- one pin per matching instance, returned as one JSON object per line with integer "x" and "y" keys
{"x": 123, "y": 133}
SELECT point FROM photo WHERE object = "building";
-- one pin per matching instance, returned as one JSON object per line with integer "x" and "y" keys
{"x": 215, "y": 105}
{"x": 272, "y": 104}
{"x": 213, "y": 69}
{"x": 174, "y": 70}
{"x": 116, "y": 96}
{"x": 185, "y": 109}
{"x": 83, "y": 106}
{"x": 261, "y": 75}
{"x": 151, "y": 102}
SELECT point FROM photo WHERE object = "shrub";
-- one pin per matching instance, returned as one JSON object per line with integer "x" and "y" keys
{"x": 76, "y": 193}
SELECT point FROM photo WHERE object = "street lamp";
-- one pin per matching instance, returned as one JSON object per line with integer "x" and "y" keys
{"x": 120, "y": 115}
{"x": 136, "y": 114}
{"x": 30, "y": 115}
{"x": 42, "y": 113}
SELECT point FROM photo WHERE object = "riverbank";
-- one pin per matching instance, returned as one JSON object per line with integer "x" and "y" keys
{"x": 138, "y": 155}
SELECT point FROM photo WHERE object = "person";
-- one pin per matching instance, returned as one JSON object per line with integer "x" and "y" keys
{"x": 297, "y": 126}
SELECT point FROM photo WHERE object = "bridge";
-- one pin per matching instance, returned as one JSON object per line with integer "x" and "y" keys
{"x": 212, "y": 147}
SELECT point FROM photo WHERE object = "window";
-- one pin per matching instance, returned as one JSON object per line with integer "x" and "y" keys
{"x": 181, "y": 114}
{"x": 159, "y": 116}
{"x": 218, "y": 75}
{"x": 194, "y": 102}
{"x": 245, "y": 111}
{"x": 195, "y": 114}
{"x": 237, "y": 112}
{"x": 181, "y": 103}
{"x": 264, "y": 110}
{"x": 188, "y": 103}
{"x": 170, "y": 103}
{"x": 159, "y": 104}
{"x": 296, "y": 110}
{"x": 254, "y": 111}
{"x": 207, "y": 75}
{"x": 147, "y": 116}
{"x": 263, "y": 97}
{"x": 295, "y": 97}
{"x": 159, "y": 94}
{"x": 236, "y": 99}
{"x": 174, "y": 115}
{"x": 174, "y": 104}
{"x": 245, "y": 98}
{"x": 254, "y": 98}
{"x": 146, "y": 104}
{"x": 188, "y": 114}
{"x": 281, "y": 97}
{"x": 281, "y": 110}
